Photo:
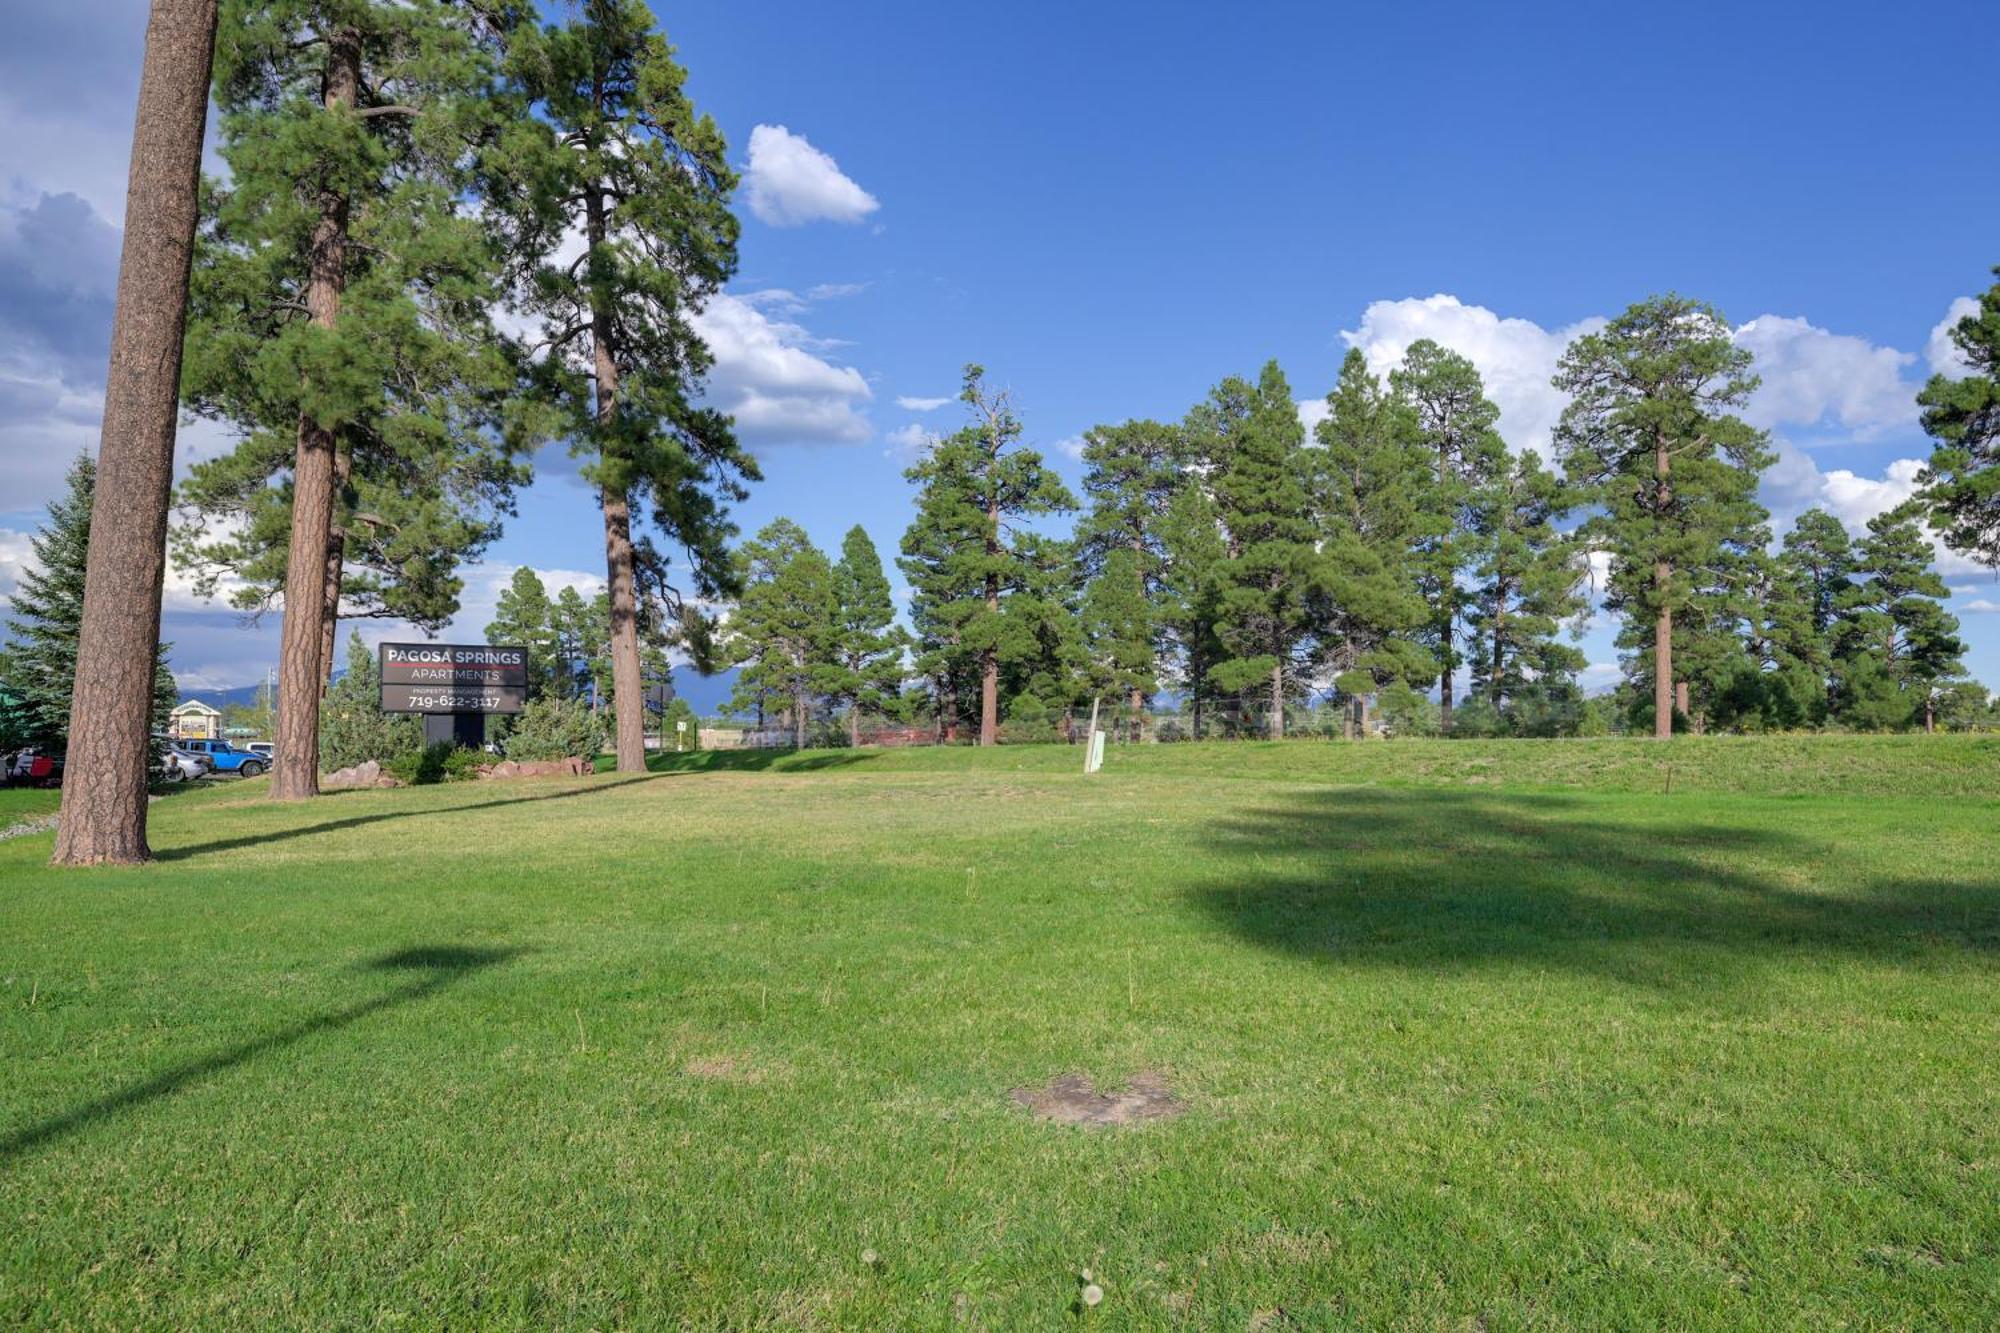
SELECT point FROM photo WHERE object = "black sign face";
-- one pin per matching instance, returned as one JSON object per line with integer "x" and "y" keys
{"x": 453, "y": 678}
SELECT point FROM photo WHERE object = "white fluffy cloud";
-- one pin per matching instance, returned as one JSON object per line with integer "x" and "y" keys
{"x": 788, "y": 182}
{"x": 1812, "y": 377}
{"x": 1940, "y": 351}
{"x": 779, "y": 391}
{"x": 907, "y": 441}
{"x": 1516, "y": 357}
{"x": 1312, "y": 411}
{"x": 912, "y": 404}
{"x": 1796, "y": 483}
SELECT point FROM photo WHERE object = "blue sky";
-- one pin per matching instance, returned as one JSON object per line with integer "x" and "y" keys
{"x": 1112, "y": 206}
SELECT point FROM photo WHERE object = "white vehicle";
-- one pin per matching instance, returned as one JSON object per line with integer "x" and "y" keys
{"x": 265, "y": 748}
{"x": 180, "y": 766}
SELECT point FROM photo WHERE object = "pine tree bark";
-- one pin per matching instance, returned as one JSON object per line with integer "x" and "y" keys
{"x": 104, "y": 788}
{"x": 295, "y": 766}
{"x": 1277, "y": 723}
{"x": 989, "y": 657}
{"x": 627, "y": 692}
{"x": 1444, "y": 672}
{"x": 336, "y": 557}
{"x": 1663, "y": 625}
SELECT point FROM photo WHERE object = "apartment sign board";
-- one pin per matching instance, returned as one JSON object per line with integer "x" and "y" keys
{"x": 453, "y": 678}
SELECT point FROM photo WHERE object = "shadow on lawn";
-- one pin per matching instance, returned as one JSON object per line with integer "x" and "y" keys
{"x": 436, "y": 966}
{"x": 1443, "y": 879}
{"x": 362, "y": 821}
{"x": 756, "y": 761}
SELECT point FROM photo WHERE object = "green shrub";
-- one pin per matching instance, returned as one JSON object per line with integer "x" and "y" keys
{"x": 438, "y": 762}
{"x": 550, "y": 728}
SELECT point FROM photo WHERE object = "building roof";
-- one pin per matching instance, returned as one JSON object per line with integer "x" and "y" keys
{"x": 195, "y": 706}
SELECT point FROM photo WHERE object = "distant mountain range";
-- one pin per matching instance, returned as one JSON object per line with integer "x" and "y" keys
{"x": 705, "y": 694}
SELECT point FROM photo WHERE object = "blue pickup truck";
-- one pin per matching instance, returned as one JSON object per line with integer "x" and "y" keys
{"x": 228, "y": 759}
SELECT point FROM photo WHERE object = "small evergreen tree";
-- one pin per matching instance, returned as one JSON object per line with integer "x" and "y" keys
{"x": 866, "y": 642}
{"x": 1531, "y": 584}
{"x": 524, "y": 617}
{"x": 354, "y": 729}
{"x": 556, "y": 728}
{"x": 39, "y": 661}
{"x": 782, "y": 636}
{"x": 1900, "y": 646}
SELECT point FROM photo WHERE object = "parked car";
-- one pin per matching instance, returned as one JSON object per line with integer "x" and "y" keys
{"x": 228, "y": 759}
{"x": 180, "y": 766}
{"x": 264, "y": 748}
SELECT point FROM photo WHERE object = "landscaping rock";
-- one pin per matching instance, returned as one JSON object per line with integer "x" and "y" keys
{"x": 573, "y": 767}
{"x": 369, "y": 774}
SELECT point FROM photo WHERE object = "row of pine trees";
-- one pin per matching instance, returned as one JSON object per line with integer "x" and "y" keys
{"x": 448, "y": 233}
{"x": 1250, "y": 567}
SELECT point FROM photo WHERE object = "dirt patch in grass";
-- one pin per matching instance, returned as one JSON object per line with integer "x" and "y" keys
{"x": 1072, "y": 1100}
{"x": 723, "y": 1069}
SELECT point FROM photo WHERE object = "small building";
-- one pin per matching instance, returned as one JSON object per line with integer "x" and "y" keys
{"x": 195, "y": 721}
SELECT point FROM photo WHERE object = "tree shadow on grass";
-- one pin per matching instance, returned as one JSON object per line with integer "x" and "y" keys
{"x": 434, "y": 967}
{"x": 385, "y": 816}
{"x": 1433, "y": 879}
{"x": 756, "y": 761}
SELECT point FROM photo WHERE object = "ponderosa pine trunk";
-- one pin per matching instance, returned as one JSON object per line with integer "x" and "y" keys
{"x": 336, "y": 558}
{"x": 798, "y": 715}
{"x": 1444, "y": 671}
{"x": 627, "y": 693}
{"x": 110, "y": 734}
{"x": 295, "y": 765}
{"x": 1277, "y": 723}
{"x": 1663, "y": 625}
{"x": 989, "y": 657}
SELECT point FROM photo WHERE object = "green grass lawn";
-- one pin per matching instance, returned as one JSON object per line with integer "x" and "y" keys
{"x": 1469, "y": 1036}
{"x": 21, "y": 804}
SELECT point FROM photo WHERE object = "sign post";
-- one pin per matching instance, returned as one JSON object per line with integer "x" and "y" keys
{"x": 454, "y": 686}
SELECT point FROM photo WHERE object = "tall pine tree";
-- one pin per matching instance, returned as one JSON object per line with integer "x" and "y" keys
{"x": 1455, "y": 423}
{"x": 1132, "y": 472}
{"x": 1266, "y": 582}
{"x": 1963, "y": 416}
{"x": 1370, "y": 476}
{"x": 340, "y": 320}
{"x": 966, "y": 555}
{"x": 626, "y": 165}
{"x": 1650, "y": 435}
